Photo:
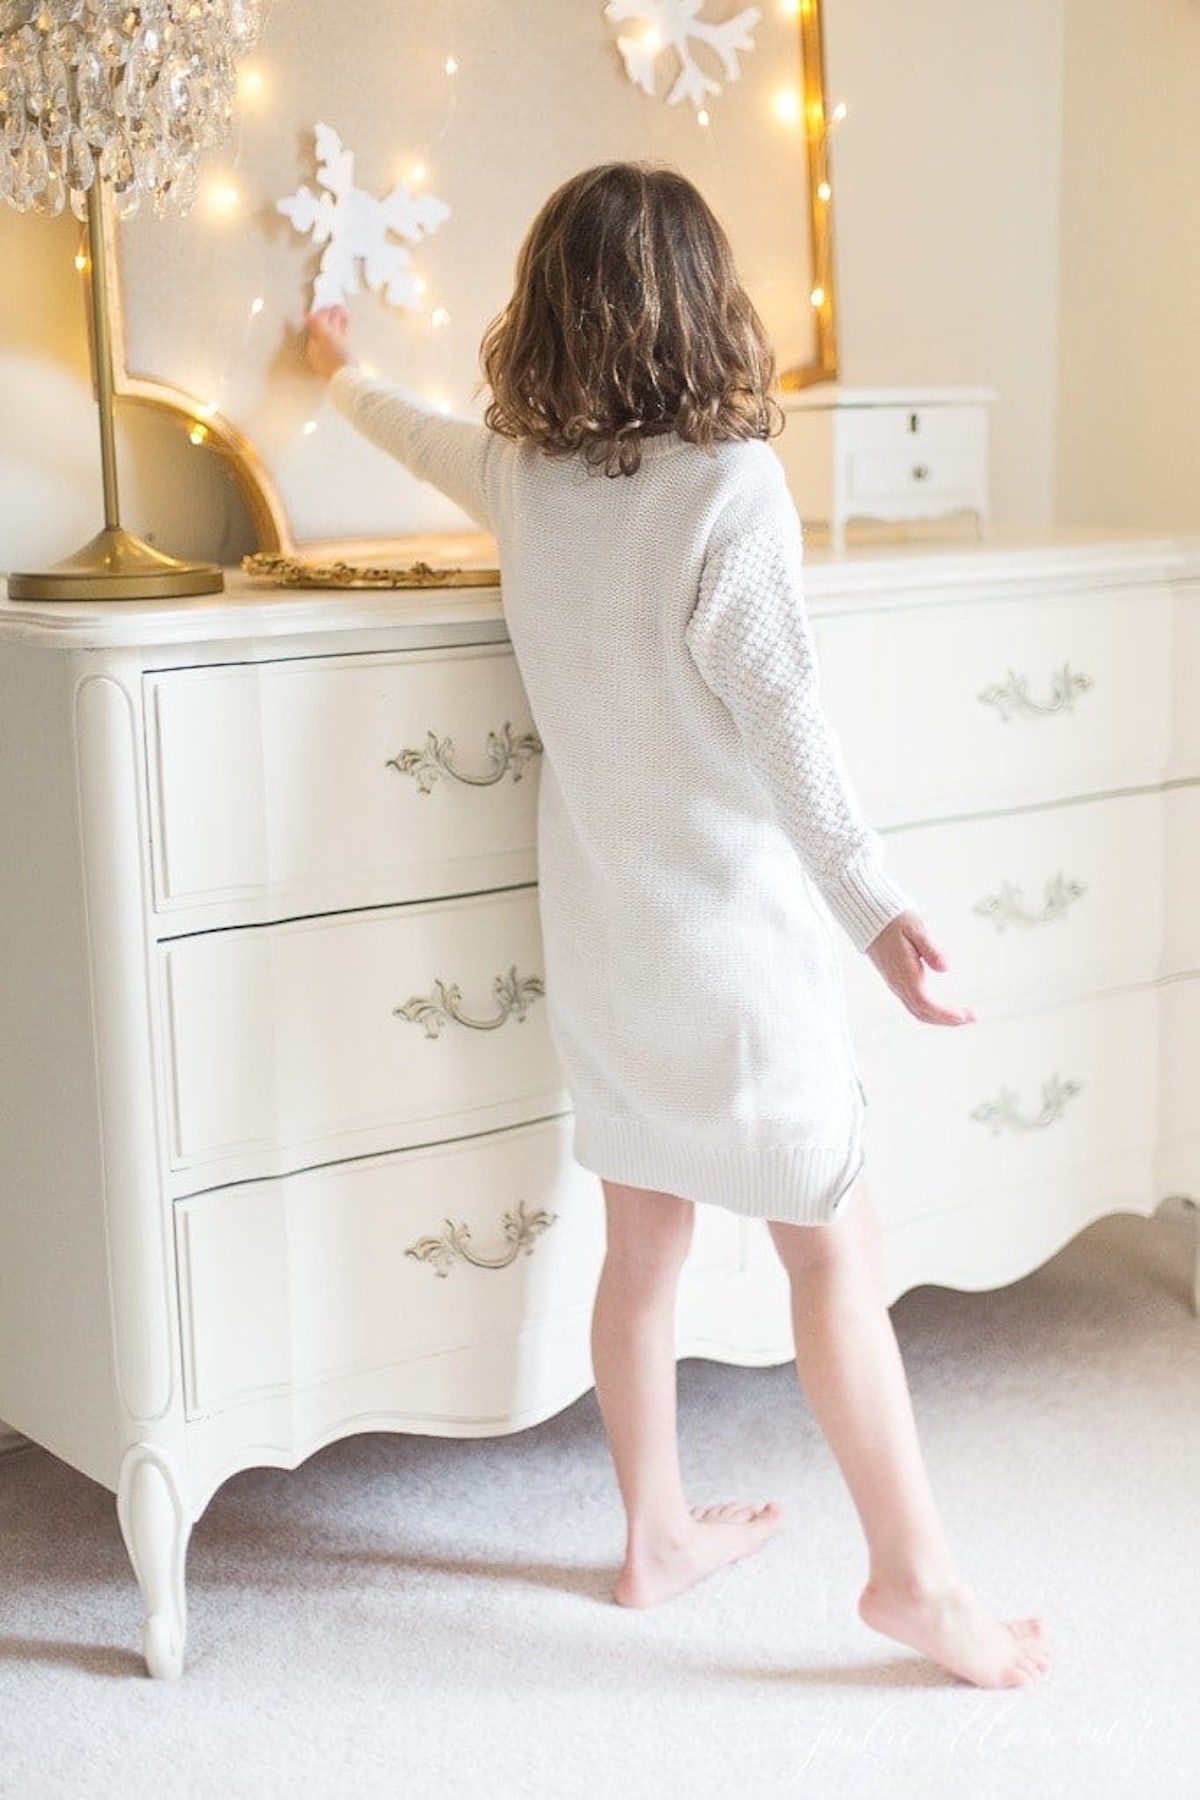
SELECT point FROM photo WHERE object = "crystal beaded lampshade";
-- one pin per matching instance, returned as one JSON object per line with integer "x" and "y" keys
{"x": 111, "y": 102}
{"x": 130, "y": 93}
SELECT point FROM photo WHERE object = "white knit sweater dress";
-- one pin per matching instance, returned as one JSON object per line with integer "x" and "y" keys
{"x": 696, "y": 828}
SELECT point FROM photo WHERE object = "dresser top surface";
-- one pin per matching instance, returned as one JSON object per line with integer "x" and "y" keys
{"x": 252, "y": 619}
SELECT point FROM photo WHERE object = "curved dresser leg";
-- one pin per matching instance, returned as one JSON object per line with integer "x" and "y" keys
{"x": 156, "y": 1529}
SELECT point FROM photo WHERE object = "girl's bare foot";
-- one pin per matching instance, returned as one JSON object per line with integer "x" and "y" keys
{"x": 712, "y": 1537}
{"x": 949, "y": 1625}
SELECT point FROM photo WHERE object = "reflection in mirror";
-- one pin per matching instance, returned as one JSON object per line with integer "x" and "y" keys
{"x": 402, "y": 150}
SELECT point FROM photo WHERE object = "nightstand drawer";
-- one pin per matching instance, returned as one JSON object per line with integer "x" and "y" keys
{"x": 915, "y": 472}
{"x": 314, "y": 785}
{"x": 343, "y": 1272}
{"x": 949, "y": 709}
{"x": 893, "y": 430}
{"x": 294, "y": 1044}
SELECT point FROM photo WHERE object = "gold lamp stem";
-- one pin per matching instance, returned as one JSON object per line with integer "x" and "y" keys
{"x": 97, "y": 282}
{"x": 115, "y": 565}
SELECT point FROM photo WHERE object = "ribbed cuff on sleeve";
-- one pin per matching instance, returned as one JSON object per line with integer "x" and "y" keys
{"x": 863, "y": 900}
{"x": 343, "y": 385}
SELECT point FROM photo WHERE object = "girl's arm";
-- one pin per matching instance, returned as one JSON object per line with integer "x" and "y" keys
{"x": 750, "y": 638}
{"x": 452, "y": 454}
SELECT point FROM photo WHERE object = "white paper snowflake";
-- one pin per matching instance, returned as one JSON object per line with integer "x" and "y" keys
{"x": 673, "y": 25}
{"x": 355, "y": 228}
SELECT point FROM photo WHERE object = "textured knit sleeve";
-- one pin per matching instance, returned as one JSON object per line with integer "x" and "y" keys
{"x": 750, "y": 638}
{"x": 452, "y": 454}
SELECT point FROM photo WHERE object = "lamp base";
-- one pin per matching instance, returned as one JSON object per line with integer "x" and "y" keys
{"x": 115, "y": 565}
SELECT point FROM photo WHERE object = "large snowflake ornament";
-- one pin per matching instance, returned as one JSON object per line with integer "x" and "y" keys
{"x": 356, "y": 228}
{"x": 676, "y": 25}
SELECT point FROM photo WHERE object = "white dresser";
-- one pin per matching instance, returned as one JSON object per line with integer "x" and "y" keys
{"x": 1021, "y": 724}
{"x": 284, "y": 1150}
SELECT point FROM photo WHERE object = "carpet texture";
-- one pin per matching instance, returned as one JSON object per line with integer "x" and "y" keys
{"x": 429, "y": 1619}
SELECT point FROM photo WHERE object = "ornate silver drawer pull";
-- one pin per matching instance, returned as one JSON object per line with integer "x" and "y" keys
{"x": 1011, "y": 696}
{"x": 1007, "y": 905}
{"x": 1004, "y": 1113}
{"x": 514, "y": 996}
{"x": 506, "y": 751}
{"x": 521, "y": 1231}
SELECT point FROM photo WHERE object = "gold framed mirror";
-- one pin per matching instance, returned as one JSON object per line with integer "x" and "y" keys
{"x": 483, "y": 105}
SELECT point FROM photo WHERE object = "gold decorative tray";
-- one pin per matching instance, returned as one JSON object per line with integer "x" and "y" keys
{"x": 292, "y": 571}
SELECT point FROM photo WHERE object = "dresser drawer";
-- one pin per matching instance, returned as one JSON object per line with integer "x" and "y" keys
{"x": 1034, "y": 908}
{"x": 1010, "y": 1103}
{"x": 960, "y": 709}
{"x": 285, "y": 1045}
{"x": 313, "y": 785}
{"x": 344, "y": 1271}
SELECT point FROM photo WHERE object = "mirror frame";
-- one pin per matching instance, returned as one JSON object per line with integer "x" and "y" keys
{"x": 259, "y": 491}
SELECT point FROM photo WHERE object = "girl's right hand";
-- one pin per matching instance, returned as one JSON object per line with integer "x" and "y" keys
{"x": 901, "y": 953}
{"x": 327, "y": 341}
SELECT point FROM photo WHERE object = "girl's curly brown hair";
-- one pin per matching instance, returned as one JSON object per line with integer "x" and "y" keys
{"x": 627, "y": 320}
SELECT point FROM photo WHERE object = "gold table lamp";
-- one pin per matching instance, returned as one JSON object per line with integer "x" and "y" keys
{"x": 102, "y": 102}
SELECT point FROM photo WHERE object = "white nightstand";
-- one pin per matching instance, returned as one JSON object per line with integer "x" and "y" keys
{"x": 891, "y": 454}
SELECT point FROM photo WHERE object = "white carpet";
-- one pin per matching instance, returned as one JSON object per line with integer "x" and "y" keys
{"x": 428, "y": 1619}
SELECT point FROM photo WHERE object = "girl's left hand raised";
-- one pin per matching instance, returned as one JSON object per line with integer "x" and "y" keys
{"x": 327, "y": 341}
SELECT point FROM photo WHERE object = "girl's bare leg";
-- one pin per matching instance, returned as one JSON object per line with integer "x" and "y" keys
{"x": 850, "y": 1368}
{"x": 669, "y": 1545}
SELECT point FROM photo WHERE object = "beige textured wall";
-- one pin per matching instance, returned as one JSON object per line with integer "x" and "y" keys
{"x": 947, "y": 181}
{"x": 1129, "y": 354}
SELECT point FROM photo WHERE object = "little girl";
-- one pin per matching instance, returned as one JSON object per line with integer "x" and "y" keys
{"x": 696, "y": 832}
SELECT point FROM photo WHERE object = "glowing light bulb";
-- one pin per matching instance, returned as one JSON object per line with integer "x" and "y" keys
{"x": 417, "y": 173}
{"x": 81, "y": 260}
{"x": 222, "y": 197}
{"x": 198, "y": 433}
{"x": 439, "y": 317}
{"x": 789, "y": 8}
{"x": 839, "y": 112}
{"x": 787, "y": 106}
{"x": 451, "y": 65}
{"x": 420, "y": 285}
{"x": 251, "y": 83}
{"x": 308, "y": 427}
{"x": 702, "y": 117}
{"x": 824, "y": 191}
{"x": 256, "y": 306}
{"x": 650, "y": 40}
{"x": 818, "y": 296}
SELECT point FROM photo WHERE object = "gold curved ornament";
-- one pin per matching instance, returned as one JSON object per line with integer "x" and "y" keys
{"x": 296, "y": 571}
{"x": 514, "y": 995}
{"x": 1004, "y": 1112}
{"x": 1012, "y": 698}
{"x": 1008, "y": 906}
{"x": 521, "y": 1231}
{"x": 507, "y": 753}
{"x": 823, "y": 293}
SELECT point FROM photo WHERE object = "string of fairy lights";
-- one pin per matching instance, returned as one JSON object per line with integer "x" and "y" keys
{"x": 794, "y": 107}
